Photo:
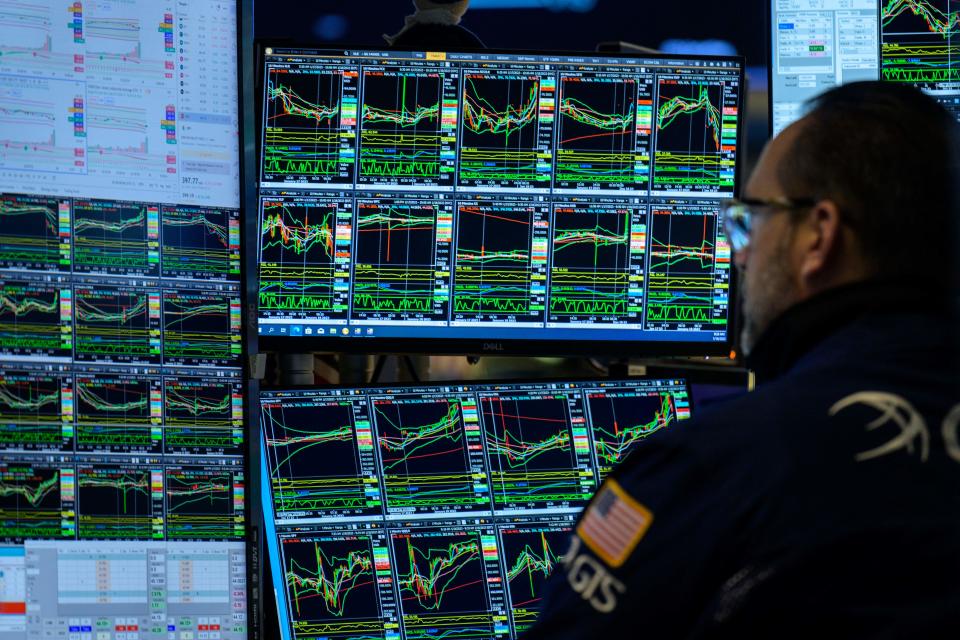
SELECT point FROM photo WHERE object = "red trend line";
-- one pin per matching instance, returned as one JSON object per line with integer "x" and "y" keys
{"x": 596, "y": 135}
{"x": 468, "y": 584}
{"x": 319, "y": 595}
{"x": 476, "y": 211}
{"x": 503, "y": 416}
{"x": 426, "y": 455}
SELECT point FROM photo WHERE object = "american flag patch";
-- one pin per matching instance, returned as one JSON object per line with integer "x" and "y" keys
{"x": 614, "y": 524}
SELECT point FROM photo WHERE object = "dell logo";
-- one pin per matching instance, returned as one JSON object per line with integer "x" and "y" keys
{"x": 493, "y": 346}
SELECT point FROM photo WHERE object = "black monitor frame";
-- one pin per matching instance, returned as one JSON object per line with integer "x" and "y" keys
{"x": 479, "y": 346}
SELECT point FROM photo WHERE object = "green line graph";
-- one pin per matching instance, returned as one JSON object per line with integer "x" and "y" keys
{"x": 433, "y": 571}
{"x": 331, "y": 578}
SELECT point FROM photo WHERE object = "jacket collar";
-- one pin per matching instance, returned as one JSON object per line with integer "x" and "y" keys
{"x": 805, "y": 325}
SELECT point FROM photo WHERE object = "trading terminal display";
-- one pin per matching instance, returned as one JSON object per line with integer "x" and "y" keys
{"x": 442, "y": 509}
{"x": 492, "y": 196}
{"x": 819, "y": 44}
{"x": 122, "y": 450}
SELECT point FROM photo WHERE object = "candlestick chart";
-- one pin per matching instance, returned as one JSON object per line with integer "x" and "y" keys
{"x": 402, "y": 133}
{"x": 117, "y": 324}
{"x": 531, "y": 451}
{"x": 115, "y": 502}
{"x": 35, "y": 233}
{"x": 32, "y": 412}
{"x": 299, "y": 249}
{"x": 201, "y": 327}
{"x": 203, "y": 503}
{"x": 200, "y": 242}
{"x": 332, "y": 586}
{"x": 919, "y": 41}
{"x": 30, "y": 501}
{"x": 309, "y": 126}
{"x": 684, "y": 276}
{"x": 397, "y": 257}
{"x": 688, "y": 149}
{"x": 500, "y": 261}
{"x": 115, "y": 237}
{"x": 202, "y": 416}
{"x": 424, "y": 454}
{"x": 619, "y": 421}
{"x": 591, "y": 263}
{"x": 118, "y": 413}
{"x": 597, "y": 134}
{"x": 499, "y": 131}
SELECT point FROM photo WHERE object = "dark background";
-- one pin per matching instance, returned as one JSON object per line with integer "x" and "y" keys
{"x": 677, "y": 26}
{"x": 577, "y": 26}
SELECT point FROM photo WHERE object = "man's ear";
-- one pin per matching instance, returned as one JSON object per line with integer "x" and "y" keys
{"x": 820, "y": 240}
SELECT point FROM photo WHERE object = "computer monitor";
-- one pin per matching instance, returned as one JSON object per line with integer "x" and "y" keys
{"x": 496, "y": 202}
{"x": 122, "y": 448}
{"x": 439, "y": 510}
{"x": 818, "y": 44}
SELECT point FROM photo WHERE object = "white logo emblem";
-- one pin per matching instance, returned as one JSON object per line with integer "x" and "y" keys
{"x": 893, "y": 409}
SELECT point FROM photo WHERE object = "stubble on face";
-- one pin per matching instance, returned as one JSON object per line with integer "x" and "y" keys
{"x": 768, "y": 289}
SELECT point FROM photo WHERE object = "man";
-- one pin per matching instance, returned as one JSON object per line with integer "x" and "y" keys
{"x": 827, "y": 502}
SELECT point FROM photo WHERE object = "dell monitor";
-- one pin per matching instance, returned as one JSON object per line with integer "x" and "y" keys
{"x": 508, "y": 202}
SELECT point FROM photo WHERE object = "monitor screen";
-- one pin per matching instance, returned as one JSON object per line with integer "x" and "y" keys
{"x": 476, "y": 202}
{"x": 438, "y": 510}
{"x": 122, "y": 451}
{"x": 818, "y": 44}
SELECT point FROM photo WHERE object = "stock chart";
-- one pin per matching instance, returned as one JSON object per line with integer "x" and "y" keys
{"x": 202, "y": 415}
{"x": 116, "y": 237}
{"x": 598, "y": 263}
{"x": 689, "y": 277}
{"x": 402, "y": 247}
{"x": 35, "y": 500}
{"x": 36, "y": 232}
{"x": 537, "y": 449}
{"x": 530, "y": 554}
{"x": 620, "y": 419}
{"x": 36, "y": 411}
{"x": 920, "y": 39}
{"x": 408, "y": 127}
{"x": 347, "y": 483}
{"x": 122, "y": 448}
{"x": 36, "y": 319}
{"x": 693, "y": 145}
{"x": 120, "y": 501}
{"x": 445, "y": 584}
{"x": 200, "y": 242}
{"x": 505, "y": 136}
{"x": 332, "y": 582}
{"x": 500, "y": 198}
{"x": 429, "y": 454}
{"x": 481, "y": 485}
{"x": 310, "y": 127}
{"x": 305, "y": 253}
{"x": 603, "y": 132}
{"x": 118, "y": 413}
{"x": 500, "y": 262}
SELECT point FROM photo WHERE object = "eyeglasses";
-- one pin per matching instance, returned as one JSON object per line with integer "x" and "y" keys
{"x": 738, "y": 215}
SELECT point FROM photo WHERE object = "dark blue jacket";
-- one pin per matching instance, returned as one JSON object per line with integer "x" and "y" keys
{"x": 824, "y": 504}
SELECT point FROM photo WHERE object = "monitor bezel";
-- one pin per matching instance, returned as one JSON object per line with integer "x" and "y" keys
{"x": 480, "y": 346}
